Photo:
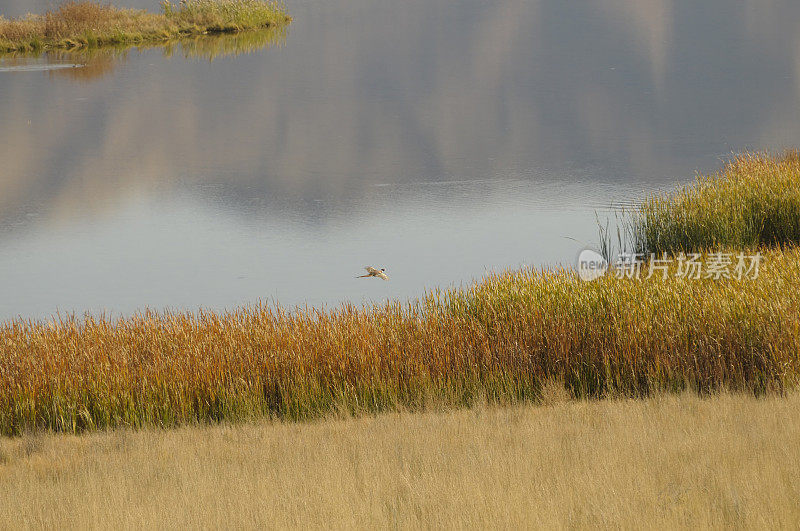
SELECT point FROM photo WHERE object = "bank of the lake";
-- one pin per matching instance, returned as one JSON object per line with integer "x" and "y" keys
{"x": 730, "y": 326}
{"x": 90, "y": 25}
{"x": 754, "y": 200}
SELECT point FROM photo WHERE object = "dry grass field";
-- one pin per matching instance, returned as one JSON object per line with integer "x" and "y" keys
{"x": 726, "y": 461}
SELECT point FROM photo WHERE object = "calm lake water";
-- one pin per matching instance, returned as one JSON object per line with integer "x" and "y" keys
{"x": 437, "y": 139}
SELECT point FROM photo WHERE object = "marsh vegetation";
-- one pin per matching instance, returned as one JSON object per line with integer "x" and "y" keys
{"x": 498, "y": 340}
{"x": 90, "y": 24}
{"x": 753, "y": 201}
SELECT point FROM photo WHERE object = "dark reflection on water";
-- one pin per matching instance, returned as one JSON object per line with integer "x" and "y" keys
{"x": 88, "y": 64}
{"x": 437, "y": 139}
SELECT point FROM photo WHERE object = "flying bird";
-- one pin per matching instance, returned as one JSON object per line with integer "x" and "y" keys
{"x": 372, "y": 272}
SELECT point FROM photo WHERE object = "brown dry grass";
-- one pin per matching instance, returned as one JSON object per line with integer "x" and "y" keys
{"x": 675, "y": 461}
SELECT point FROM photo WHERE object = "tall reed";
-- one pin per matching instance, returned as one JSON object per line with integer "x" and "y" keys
{"x": 498, "y": 339}
{"x": 754, "y": 200}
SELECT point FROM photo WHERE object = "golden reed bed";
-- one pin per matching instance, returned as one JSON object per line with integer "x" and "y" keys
{"x": 497, "y": 340}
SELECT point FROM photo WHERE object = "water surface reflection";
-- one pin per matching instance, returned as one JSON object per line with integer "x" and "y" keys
{"x": 437, "y": 139}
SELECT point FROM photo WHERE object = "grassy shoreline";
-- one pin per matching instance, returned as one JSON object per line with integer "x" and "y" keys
{"x": 753, "y": 201}
{"x": 90, "y": 25}
{"x": 499, "y": 340}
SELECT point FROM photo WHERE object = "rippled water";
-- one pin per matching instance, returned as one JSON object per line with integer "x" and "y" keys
{"x": 437, "y": 139}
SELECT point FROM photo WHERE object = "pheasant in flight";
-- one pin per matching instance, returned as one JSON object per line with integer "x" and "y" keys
{"x": 372, "y": 272}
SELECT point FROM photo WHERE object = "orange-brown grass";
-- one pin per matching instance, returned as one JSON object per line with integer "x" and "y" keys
{"x": 89, "y": 24}
{"x": 497, "y": 340}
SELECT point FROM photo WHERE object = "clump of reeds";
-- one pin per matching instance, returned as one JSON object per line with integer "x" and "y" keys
{"x": 754, "y": 200}
{"x": 89, "y": 24}
{"x": 498, "y": 340}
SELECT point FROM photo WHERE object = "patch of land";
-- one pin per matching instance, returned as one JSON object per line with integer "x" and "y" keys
{"x": 89, "y": 25}
{"x": 672, "y": 461}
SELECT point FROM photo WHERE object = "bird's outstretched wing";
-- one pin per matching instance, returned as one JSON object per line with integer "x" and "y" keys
{"x": 382, "y": 275}
{"x": 372, "y": 270}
